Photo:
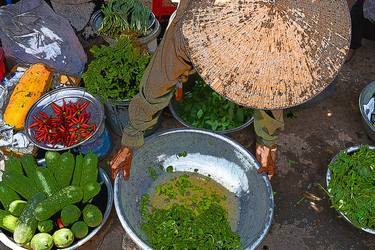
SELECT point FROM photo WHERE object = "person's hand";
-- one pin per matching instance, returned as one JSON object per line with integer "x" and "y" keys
{"x": 121, "y": 161}
{"x": 266, "y": 156}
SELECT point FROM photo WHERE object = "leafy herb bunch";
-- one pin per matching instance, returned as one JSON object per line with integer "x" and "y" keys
{"x": 204, "y": 108}
{"x": 352, "y": 186}
{"x": 125, "y": 16}
{"x": 117, "y": 70}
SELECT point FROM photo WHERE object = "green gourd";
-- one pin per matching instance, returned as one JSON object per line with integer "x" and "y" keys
{"x": 89, "y": 169}
{"x": 13, "y": 164}
{"x": 50, "y": 206}
{"x": 64, "y": 171}
{"x": 27, "y": 223}
{"x": 8, "y": 221}
{"x": 7, "y": 195}
{"x": 16, "y": 207}
{"x": 77, "y": 170}
{"x": 45, "y": 179}
{"x": 21, "y": 184}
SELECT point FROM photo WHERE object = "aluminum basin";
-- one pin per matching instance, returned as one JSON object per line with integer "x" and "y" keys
{"x": 227, "y": 162}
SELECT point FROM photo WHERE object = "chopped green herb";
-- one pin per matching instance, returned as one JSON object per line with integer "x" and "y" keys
{"x": 169, "y": 169}
{"x": 182, "y": 154}
{"x": 199, "y": 223}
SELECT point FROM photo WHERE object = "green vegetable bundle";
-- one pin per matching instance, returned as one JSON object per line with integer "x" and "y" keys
{"x": 203, "y": 108}
{"x": 352, "y": 186}
{"x": 125, "y": 17}
{"x": 116, "y": 71}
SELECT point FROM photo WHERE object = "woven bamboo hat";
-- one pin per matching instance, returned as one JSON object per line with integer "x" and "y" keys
{"x": 267, "y": 54}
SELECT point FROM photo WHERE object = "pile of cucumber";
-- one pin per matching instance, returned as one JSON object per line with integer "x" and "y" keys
{"x": 47, "y": 207}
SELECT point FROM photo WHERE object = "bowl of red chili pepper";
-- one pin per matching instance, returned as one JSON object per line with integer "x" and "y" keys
{"x": 64, "y": 118}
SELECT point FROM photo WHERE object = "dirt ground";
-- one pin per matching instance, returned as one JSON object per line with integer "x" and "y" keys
{"x": 309, "y": 141}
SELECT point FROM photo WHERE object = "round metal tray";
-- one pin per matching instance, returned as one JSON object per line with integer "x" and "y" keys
{"x": 328, "y": 179}
{"x": 57, "y": 96}
{"x": 217, "y": 156}
{"x": 103, "y": 177}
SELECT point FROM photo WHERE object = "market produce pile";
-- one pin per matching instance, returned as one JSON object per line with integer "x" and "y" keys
{"x": 124, "y": 16}
{"x": 191, "y": 217}
{"x": 204, "y": 108}
{"x": 116, "y": 71}
{"x": 54, "y": 200}
{"x": 69, "y": 125}
{"x": 352, "y": 186}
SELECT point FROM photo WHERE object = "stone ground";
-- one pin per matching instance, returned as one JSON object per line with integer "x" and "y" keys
{"x": 303, "y": 218}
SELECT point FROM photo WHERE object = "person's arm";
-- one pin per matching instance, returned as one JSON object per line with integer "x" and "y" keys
{"x": 168, "y": 64}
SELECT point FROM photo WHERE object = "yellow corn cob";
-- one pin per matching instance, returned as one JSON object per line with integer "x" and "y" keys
{"x": 32, "y": 85}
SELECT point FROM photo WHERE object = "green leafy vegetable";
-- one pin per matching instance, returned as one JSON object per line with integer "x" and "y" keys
{"x": 125, "y": 17}
{"x": 204, "y": 108}
{"x": 116, "y": 71}
{"x": 352, "y": 186}
{"x": 197, "y": 224}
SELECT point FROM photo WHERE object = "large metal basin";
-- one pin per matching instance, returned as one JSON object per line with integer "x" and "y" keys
{"x": 103, "y": 201}
{"x": 329, "y": 177}
{"x": 227, "y": 162}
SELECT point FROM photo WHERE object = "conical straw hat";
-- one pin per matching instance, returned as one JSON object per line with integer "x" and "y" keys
{"x": 267, "y": 54}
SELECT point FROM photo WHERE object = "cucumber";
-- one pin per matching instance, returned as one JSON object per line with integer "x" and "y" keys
{"x": 29, "y": 166}
{"x": 8, "y": 221}
{"x": 16, "y": 207}
{"x": 90, "y": 190}
{"x": 89, "y": 169}
{"x": 77, "y": 170}
{"x": 52, "y": 160}
{"x": 27, "y": 223}
{"x": 13, "y": 164}
{"x": 7, "y": 195}
{"x": 23, "y": 185}
{"x": 66, "y": 196}
{"x": 64, "y": 171}
{"x": 45, "y": 179}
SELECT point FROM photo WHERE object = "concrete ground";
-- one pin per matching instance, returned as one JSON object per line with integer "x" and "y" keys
{"x": 303, "y": 218}
{"x": 313, "y": 134}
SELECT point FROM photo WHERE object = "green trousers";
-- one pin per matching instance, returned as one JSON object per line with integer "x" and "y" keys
{"x": 170, "y": 64}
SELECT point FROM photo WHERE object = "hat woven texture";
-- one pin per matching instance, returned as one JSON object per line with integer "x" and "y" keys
{"x": 267, "y": 54}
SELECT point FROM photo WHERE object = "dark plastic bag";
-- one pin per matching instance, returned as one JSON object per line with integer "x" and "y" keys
{"x": 32, "y": 32}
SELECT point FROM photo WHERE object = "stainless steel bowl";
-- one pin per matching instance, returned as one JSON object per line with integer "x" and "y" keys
{"x": 328, "y": 179}
{"x": 7, "y": 241}
{"x": 226, "y": 161}
{"x": 57, "y": 96}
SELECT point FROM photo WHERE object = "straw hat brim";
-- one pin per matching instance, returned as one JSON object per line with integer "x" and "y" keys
{"x": 267, "y": 54}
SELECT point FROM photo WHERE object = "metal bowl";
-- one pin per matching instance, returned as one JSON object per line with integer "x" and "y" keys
{"x": 328, "y": 179}
{"x": 367, "y": 93}
{"x": 57, "y": 96}
{"x": 174, "y": 110}
{"x": 103, "y": 200}
{"x": 227, "y": 163}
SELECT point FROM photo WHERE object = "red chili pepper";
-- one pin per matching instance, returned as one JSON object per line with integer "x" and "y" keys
{"x": 60, "y": 223}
